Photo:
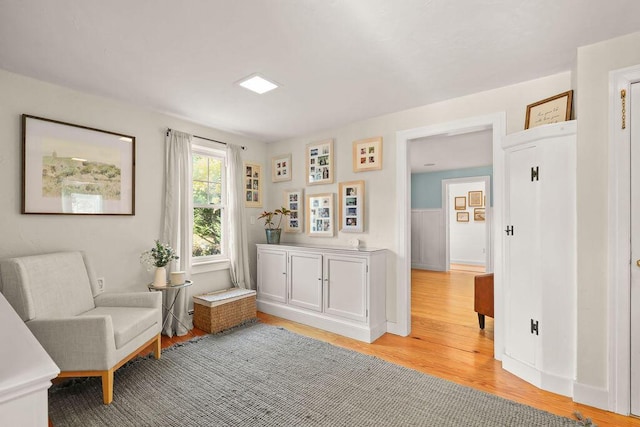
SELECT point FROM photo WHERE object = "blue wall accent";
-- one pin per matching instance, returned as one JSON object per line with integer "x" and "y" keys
{"x": 426, "y": 188}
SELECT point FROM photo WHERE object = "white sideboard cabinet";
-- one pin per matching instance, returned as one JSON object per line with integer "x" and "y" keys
{"x": 540, "y": 256}
{"x": 335, "y": 289}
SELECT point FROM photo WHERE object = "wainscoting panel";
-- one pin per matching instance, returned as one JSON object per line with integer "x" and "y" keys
{"x": 428, "y": 239}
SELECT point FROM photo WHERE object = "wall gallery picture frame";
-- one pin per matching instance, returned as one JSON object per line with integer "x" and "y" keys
{"x": 462, "y": 216}
{"x": 252, "y": 185}
{"x": 320, "y": 162}
{"x": 351, "y": 207}
{"x": 475, "y": 199}
{"x": 70, "y": 169}
{"x": 294, "y": 201}
{"x": 479, "y": 214}
{"x": 367, "y": 154}
{"x": 460, "y": 203}
{"x": 320, "y": 215}
{"x": 550, "y": 110}
{"x": 281, "y": 168}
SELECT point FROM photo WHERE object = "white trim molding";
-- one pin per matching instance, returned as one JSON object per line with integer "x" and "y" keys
{"x": 496, "y": 122}
{"x": 619, "y": 248}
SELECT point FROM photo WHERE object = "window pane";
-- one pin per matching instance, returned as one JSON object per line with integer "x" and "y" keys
{"x": 200, "y": 167}
{"x": 200, "y": 193}
{"x": 215, "y": 178}
{"x": 206, "y": 232}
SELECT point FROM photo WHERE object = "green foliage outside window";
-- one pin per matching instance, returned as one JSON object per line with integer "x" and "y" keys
{"x": 207, "y": 202}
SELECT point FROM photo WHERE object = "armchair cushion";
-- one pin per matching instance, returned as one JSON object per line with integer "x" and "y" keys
{"x": 128, "y": 322}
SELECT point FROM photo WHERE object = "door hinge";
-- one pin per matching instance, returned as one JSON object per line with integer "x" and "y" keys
{"x": 509, "y": 230}
{"x": 534, "y": 327}
{"x": 367, "y": 268}
{"x": 534, "y": 174}
{"x": 367, "y": 313}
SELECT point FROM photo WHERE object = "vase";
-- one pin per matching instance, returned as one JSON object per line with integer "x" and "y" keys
{"x": 273, "y": 236}
{"x": 160, "y": 277}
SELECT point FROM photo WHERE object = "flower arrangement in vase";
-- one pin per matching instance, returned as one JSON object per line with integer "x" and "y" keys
{"x": 159, "y": 256}
{"x": 273, "y": 233}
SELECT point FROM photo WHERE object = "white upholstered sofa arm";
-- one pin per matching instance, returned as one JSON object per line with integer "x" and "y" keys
{"x": 129, "y": 299}
{"x": 77, "y": 343}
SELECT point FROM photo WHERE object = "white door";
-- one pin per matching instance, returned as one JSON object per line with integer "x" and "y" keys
{"x": 521, "y": 245}
{"x": 305, "y": 280}
{"x": 633, "y": 120}
{"x": 345, "y": 287}
{"x": 272, "y": 275}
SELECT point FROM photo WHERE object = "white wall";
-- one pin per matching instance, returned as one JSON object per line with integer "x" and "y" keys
{"x": 114, "y": 243}
{"x": 381, "y": 223}
{"x": 594, "y": 64}
{"x": 467, "y": 240}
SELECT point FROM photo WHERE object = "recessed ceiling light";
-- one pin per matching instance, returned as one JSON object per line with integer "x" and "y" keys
{"x": 257, "y": 84}
{"x": 429, "y": 164}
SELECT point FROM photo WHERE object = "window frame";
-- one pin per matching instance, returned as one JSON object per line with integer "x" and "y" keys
{"x": 212, "y": 262}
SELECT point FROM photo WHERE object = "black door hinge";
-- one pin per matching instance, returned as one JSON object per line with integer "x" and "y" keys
{"x": 534, "y": 327}
{"x": 509, "y": 230}
{"x": 534, "y": 174}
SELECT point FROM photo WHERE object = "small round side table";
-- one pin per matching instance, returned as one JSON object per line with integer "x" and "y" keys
{"x": 169, "y": 309}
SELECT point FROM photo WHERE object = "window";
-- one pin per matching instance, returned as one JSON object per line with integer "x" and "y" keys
{"x": 209, "y": 205}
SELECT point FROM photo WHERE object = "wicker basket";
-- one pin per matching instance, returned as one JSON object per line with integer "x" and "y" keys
{"x": 222, "y": 310}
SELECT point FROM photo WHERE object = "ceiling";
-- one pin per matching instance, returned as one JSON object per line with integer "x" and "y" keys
{"x": 337, "y": 61}
{"x": 446, "y": 152}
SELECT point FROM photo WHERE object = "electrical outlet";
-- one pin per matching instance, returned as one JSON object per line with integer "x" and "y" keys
{"x": 100, "y": 281}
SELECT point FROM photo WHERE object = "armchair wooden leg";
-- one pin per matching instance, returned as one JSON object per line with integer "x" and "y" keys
{"x": 481, "y": 320}
{"x": 107, "y": 386}
{"x": 157, "y": 347}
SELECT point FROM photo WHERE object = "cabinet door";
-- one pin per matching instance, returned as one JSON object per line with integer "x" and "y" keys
{"x": 345, "y": 287}
{"x": 305, "y": 280}
{"x": 272, "y": 275}
{"x": 522, "y": 254}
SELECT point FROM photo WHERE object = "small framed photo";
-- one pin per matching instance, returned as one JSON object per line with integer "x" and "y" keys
{"x": 351, "y": 207}
{"x": 475, "y": 199}
{"x": 367, "y": 154}
{"x": 478, "y": 214}
{"x": 550, "y": 110}
{"x": 460, "y": 203}
{"x": 281, "y": 168}
{"x": 294, "y": 201}
{"x": 462, "y": 216}
{"x": 252, "y": 185}
{"x": 70, "y": 169}
{"x": 320, "y": 215}
{"x": 320, "y": 162}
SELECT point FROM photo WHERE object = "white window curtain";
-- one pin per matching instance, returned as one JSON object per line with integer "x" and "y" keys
{"x": 176, "y": 231}
{"x": 238, "y": 242}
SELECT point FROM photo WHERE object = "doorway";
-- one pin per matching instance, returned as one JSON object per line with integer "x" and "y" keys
{"x": 497, "y": 124}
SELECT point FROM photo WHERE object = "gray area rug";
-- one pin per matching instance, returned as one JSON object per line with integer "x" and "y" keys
{"x": 262, "y": 375}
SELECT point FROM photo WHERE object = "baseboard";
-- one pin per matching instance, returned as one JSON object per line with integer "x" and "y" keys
{"x": 431, "y": 267}
{"x": 394, "y": 328}
{"x": 543, "y": 380}
{"x": 467, "y": 262}
{"x": 589, "y": 395}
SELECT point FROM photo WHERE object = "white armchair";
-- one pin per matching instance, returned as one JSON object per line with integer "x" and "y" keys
{"x": 86, "y": 333}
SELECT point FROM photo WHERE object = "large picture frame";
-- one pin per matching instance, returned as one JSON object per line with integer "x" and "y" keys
{"x": 319, "y": 157}
{"x": 294, "y": 201}
{"x": 367, "y": 154}
{"x": 320, "y": 215}
{"x": 252, "y": 185}
{"x": 550, "y": 110}
{"x": 281, "y": 168}
{"x": 70, "y": 169}
{"x": 351, "y": 206}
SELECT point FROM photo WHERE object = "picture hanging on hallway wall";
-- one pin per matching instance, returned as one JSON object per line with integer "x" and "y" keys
{"x": 367, "y": 154}
{"x": 294, "y": 201}
{"x": 462, "y": 216}
{"x": 475, "y": 199}
{"x": 252, "y": 185}
{"x": 351, "y": 207}
{"x": 320, "y": 215}
{"x": 76, "y": 170}
{"x": 478, "y": 214}
{"x": 320, "y": 162}
{"x": 460, "y": 203}
{"x": 281, "y": 168}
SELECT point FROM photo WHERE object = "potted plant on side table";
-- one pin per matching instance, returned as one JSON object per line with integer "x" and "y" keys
{"x": 159, "y": 256}
{"x": 271, "y": 229}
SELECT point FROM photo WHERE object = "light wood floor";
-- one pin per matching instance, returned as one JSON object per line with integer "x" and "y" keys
{"x": 446, "y": 342}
